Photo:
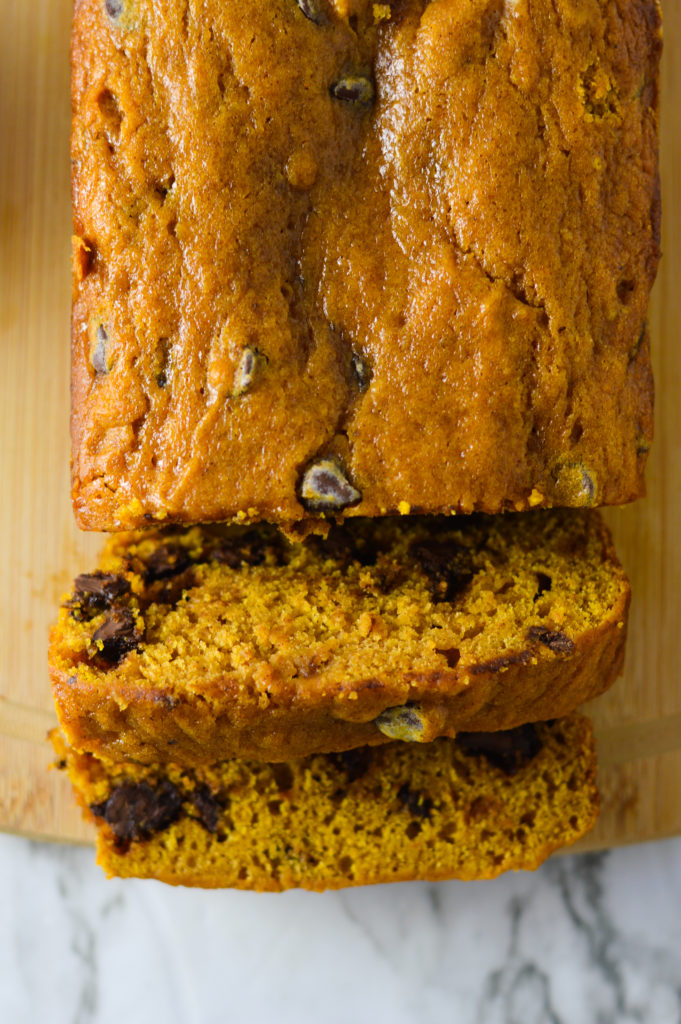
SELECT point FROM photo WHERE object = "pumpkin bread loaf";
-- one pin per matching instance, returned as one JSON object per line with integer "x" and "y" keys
{"x": 193, "y": 646}
{"x": 337, "y": 256}
{"x": 466, "y": 808}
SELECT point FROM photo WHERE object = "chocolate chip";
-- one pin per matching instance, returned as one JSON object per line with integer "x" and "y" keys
{"x": 250, "y": 548}
{"x": 100, "y": 588}
{"x": 418, "y": 805}
{"x": 344, "y": 546}
{"x": 575, "y": 485}
{"x": 447, "y": 565}
{"x": 166, "y": 561}
{"x": 116, "y": 637}
{"x": 509, "y": 751}
{"x": 245, "y": 372}
{"x": 114, "y": 8}
{"x": 233, "y": 554}
{"x": 99, "y": 359}
{"x": 326, "y": 487}
{"x": 94, "y": 592}
{"x": 358, "y": 89}
{"x": 207, "y": 807}
{"x": 436, "y": 556}
{"x": 543, "y": 585}
{"x": 312, "y": 10}
{"x": 136, "y": 810}
{"x": 355, "y": 763}
{"x": 362, "y": 372}
{"x": 555, "y": 641}
{"x": 170, "y": 591}
{"x": 400, "y": 723}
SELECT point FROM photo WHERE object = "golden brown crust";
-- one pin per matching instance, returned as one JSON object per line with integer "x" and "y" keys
{"x": 454, "y": 320}
{"x": 399, "y": 813}
{"x": 276, "y": 661}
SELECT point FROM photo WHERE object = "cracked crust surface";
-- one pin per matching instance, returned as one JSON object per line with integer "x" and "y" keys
{"x": 414, "y": 241}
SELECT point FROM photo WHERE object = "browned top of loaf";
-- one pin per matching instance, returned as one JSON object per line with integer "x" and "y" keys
{"x": 413, "y": 239}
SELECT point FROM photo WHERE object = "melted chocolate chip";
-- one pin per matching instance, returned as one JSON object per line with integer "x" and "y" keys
{"x": 135, "y": 811}
{"x": 207, "y": 808}
{"x": 115, "y": 638}
{"x": 555, "y": 641}
{"x": 418, "y": 805}
{"x": 170, "y": 592}
{"x": 447, "y": 588}
{"x": 250, "y": 548}
{"x": 447, "y": 565}
{"x": 355, "y": 763}
{"x": 95, "y": 592}
{"x": 437, "y": 556}
{"x": 167, "y": 560}
{"x": 509, "y": 751}
{"x": 344, "y": 546}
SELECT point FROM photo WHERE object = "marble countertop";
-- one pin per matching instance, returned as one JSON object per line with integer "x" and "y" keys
{"x": 590, "y": 939}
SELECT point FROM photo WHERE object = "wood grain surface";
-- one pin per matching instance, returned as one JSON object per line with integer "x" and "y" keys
{"x": 638, "y": 721}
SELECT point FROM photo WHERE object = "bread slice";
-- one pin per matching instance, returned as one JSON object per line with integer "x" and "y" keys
{"x": 195, "y": 646}
{"x": 466, "y": 808}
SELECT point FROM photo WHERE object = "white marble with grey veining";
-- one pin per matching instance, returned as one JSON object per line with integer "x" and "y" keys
{"x": 592, "y": 939}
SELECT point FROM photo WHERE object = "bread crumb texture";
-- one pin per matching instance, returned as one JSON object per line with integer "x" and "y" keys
{"x": 413, "y": 241}
{"x": 395, "y": 813}
{"x": 193, "y": 646}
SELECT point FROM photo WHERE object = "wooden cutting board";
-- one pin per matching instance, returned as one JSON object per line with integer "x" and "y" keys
{"x": 638, "y": 722}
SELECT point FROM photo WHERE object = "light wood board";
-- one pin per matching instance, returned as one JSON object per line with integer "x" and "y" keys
{"x": 638, "y": 722}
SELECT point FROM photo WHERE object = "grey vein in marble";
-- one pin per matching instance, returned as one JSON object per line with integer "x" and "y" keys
{"x": 585, "y": 940}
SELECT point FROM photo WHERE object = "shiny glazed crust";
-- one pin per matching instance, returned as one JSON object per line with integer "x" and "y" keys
{"x": 343, "y": 261}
